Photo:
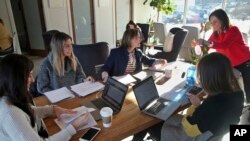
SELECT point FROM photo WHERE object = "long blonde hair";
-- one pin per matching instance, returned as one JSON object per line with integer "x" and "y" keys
{"x": 57, "y": 45}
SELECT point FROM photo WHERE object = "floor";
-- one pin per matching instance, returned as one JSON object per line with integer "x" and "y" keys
{"x": 244, "y": 118}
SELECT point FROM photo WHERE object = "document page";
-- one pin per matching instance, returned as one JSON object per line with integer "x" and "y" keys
{"x": 125, "y": 79}
{"x": 67, "y": 119}
{"x": 85, "y": 88}
{"x": 58, "y": 94}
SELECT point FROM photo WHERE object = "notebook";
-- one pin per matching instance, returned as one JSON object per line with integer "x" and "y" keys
{"x": 113, "y": 96}
{"x": 149, "y": 101}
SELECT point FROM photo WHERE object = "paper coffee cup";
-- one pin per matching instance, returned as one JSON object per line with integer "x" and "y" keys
{"x": 106, "y": 114}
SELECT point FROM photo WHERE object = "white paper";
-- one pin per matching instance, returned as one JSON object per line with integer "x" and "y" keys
{"x": 125, "y": 79}
{"x": 58, "y": 94}
{"x": 67, "y": 118}
{"x": 81, "y": 110}
{"x": 147, "y": 73}
{"x": 87, "y": 87}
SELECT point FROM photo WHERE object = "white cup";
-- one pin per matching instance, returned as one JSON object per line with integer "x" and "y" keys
{"x": 168, "y": 73}
{"x": 106, "y": 114}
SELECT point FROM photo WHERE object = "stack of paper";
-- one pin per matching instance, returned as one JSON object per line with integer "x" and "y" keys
{"x": 58, "y": 94}
{"x": 125, "y": 79}
{"x": 87, "y": 87}
{"x": 67, "y": 119}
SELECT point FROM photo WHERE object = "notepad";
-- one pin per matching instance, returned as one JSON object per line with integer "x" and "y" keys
{"x": 125, "y": 79}
{"x": 67, "y": 119}
{"x": 88, "y": 87}
{"x": 58, "y": 94}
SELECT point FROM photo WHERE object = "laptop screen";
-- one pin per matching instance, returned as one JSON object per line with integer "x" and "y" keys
{"x": 145, "y": 92}
{"x": 115, "y": 92}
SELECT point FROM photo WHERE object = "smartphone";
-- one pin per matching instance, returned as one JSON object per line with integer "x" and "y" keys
{"x": 90, "y": 134}
{"x": 195, "y": 90}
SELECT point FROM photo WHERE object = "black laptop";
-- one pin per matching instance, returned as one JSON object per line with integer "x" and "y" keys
{"x": 149, "y": 101}
{"x": 113, "y": 96}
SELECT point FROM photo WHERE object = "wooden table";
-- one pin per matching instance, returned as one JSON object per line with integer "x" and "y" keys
{"x": 127, "y": 122}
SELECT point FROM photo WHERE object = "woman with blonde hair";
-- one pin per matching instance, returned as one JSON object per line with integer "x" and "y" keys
{"x": 60, "y": 68}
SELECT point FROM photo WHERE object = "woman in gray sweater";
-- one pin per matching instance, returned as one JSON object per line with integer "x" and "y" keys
{"x": 20, "y": 120}
{"x": 60, "y": 68}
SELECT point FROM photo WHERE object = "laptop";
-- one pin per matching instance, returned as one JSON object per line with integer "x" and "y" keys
{"x": 113, "y": 96}
{"x": 149, "y": 101}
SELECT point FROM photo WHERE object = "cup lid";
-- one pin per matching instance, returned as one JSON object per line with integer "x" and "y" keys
{"x": 106, "y": 111}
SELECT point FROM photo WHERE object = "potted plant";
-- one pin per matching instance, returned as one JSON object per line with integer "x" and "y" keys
{"x": 165, "y": 6}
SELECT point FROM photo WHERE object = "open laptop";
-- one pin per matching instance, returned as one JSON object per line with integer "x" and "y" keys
{"x": 149, "y": 101}
{"x": 113, "y": 96}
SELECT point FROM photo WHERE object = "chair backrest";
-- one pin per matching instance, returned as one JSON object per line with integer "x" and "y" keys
{"x": 160, "y": 32}
{"x": 144, "y": 30}
{"x": 185, "y": 52}
{"x": 47, "y": 36}
{"x": 179, "y": 38}
{"x": 91, "y": 55}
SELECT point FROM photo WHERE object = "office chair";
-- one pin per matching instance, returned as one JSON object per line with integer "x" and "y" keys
{"x": 186, "y": 50}
{"x": 90, "y": 56}
{"x": 179, "y": 38}
{"x": 145, "y": 30}
{"x": 47, "y": 36}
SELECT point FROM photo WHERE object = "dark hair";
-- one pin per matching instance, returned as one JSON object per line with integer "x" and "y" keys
{"x": 131, "y": 23}
{"x": 127, "y": 37}
{"x": 14, "y": 73}
{"x": 215, "y": 74}
{"x": 221, "y": 15}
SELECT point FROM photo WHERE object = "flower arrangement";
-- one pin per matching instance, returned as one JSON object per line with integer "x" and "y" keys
{"x": 200, "y": 49}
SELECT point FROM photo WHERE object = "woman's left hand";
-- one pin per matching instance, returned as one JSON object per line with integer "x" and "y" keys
{"x": 59, "y": 111}
{"x": 194, "y": 99}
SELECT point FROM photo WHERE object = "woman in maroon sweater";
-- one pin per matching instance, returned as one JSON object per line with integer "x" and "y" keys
{"x": 228, "y": 40}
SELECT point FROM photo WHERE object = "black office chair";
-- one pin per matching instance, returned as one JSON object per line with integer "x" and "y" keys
{"x": 90, "y": 56}
{"x": 179, "y": 38}
{"x": 144, "y": 30}
{"x": 47, "y": 36}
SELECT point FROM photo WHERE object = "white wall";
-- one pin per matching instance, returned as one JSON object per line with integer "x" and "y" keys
{"x": 57, "y": 15}
{"x": 105, "y": 21}
{"x": 122, "y": 16}
{"x": 34, "y": 28}
{"x": 141, "y": 12}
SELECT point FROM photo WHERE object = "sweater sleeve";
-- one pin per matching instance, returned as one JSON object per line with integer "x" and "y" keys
{"x": 43, "y": 111}
{"x": 231, "y": 35}
{"x": 43, "y": 78}
{"x": 109, "y": 64}
{"x": 146, "y": 60}
{"x": 18, "y": 128}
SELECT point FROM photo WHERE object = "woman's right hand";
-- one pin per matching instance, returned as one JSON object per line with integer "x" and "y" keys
{"x": 81, "y": 121}
{"x": 105, "y": 76}
{"x": 194, "y": 43}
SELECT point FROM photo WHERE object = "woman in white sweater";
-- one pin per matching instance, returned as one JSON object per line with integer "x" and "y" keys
{"x": 20, "y": 120}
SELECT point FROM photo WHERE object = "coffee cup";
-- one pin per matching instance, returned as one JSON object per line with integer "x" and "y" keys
{"x": 107, "y": 115}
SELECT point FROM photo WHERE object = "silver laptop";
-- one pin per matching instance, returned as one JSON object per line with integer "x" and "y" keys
{"x": 149, "y": 101}
{"x": 113, "y": 96}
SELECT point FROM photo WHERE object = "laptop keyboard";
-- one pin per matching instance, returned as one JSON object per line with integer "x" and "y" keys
{"x": 156, "y": 108}
{"x": 99, "y": 103}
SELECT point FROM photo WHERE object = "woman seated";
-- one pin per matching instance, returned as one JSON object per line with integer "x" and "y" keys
{"x": 60, "y": 68}
{"x": 212, "y": 116}
{"x": 128, "y": 59}
{"x": 19, "y": 119}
